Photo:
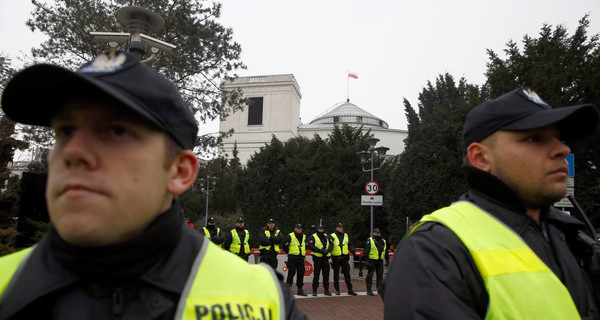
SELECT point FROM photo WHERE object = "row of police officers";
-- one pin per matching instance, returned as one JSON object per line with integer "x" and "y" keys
{"x": 323, "y": 246}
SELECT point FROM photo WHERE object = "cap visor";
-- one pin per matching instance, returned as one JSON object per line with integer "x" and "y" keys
{"x": 574, "y": 122}
{"x": 35, "y": 94}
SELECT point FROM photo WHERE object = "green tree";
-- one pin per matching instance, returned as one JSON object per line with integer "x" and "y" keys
{"x": 9, "y": 184}
{"x": 305, "y": 181}
{"x": 428, "y": 175}
{"x": 205, "y": 55}
{"x": 564, "y": 70}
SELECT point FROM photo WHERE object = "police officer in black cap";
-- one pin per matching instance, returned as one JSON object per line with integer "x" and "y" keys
{"x": 237, "y": 240}
{"x": 376, "y": 251}
{"x": 269, "y": 239}
{"x": 340, "y": 258}
{"x": 295, "y": 246}
{"x": 212, "y": 232}
{"x": 320, "y": 246}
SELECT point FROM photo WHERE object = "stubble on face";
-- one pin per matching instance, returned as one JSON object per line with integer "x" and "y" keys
{"x": 532, "y": 163}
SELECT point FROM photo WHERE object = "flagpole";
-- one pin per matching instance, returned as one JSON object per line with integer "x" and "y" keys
{"x": 348, "y": 84}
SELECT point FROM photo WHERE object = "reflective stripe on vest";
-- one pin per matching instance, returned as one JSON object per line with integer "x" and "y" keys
{"x": 268, "y": 234}
{"x": 319, "y": 245}
{"x": 9, "y": 264}
{"x": 338, "y": 249}
{"x": 519, "y": 284}
{"x": 210, "y": 291}
{"x": 236, "y": 242}
{"x": 295, "y": 247}
{"x": 374, "y": 253}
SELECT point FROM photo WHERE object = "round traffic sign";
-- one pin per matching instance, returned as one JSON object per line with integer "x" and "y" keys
{"x": 372, "y": 187}
{"x": 308, "y": 268}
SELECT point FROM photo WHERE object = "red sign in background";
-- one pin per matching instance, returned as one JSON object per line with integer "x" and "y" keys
{"x": 308, "y": 268}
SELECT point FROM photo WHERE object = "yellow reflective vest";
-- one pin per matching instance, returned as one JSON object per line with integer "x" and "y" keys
{"x": 268, "y": 234}
{"x": 374, "y": 253}
{"x": 339, "y": 248}
{"x": 519, "y": 284}
{"x": 254, "y": 293}
{"x": 236, "y": 243}
{"x": 295, "y": 247}
{"x": 319, "y": 245}
{"x": 207, "y": 233}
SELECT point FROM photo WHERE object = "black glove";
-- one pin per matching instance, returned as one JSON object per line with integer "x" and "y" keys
{"x": 386, "y": 264}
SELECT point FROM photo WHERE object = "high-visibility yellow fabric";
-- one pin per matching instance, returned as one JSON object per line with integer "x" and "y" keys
{"x": 295, "y": 247}
{"x": 374, "y": 253}
{"x": 236, "y": 243}
{"x": 339, "y": 248}
{"x": 225, "y": 287}
{"x": 519, "y": 284}
{"x": 9, "y": 265}
{"x": 319, "y": 245}
{"x": 268, "y": 234}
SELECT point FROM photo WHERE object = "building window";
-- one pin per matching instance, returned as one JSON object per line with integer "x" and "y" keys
{"x": 255, "y": 111}
{"x": 359, "y": 119}
{"x": 336, "y": 119}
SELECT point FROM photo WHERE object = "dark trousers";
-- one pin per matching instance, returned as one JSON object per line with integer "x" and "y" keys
{"x": 321, "y": 264}
{"x": 295, "y": 265}
{"x": 269, "y": 258}
{"x": 342, "y": 262}
{"x": 375, "y": 266}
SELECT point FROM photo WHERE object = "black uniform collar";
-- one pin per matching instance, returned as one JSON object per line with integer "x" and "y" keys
{"x": 46, "y": 271}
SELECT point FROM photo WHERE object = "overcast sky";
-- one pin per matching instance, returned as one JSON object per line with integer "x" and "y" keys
{"x": 395, "y": 47}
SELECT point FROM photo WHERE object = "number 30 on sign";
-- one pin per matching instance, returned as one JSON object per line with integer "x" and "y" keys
{"x": 372, "y": 187}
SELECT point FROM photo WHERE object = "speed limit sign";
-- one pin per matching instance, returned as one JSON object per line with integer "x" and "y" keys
{"x": 372, "y": 187}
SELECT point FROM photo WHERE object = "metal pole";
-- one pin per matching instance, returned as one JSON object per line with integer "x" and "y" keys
{"x": 371, "y": 205}
{"x": 207, "y": 192}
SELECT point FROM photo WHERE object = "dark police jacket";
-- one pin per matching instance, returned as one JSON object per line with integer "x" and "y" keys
{"x": 433, "y": 276}
{"x": 141, "y": 278}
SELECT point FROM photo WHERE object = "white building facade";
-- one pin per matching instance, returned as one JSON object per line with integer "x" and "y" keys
{"x": 274, "y": 110}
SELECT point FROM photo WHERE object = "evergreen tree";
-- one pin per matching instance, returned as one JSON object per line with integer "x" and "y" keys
{"x": 307, "y": 181}
{"x": 9, "y": 184}
{"x": 428, "y": 175}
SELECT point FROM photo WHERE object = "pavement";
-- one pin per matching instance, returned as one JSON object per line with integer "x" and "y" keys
{"x": 344, "y": 306}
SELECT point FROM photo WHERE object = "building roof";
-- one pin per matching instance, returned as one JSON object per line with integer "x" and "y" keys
{"x": 346, "y": 112}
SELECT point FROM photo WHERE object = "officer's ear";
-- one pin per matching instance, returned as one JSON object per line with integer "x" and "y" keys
{"x": 183, "y": 172}
{"x": 478, "y": 155}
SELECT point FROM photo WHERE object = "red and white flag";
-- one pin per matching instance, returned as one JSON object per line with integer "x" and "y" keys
{"x": 352, "y": 75}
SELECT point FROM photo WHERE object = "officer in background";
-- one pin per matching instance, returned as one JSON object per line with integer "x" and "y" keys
{"x": 376, "y": 251}
{"x": 295, "y": 246}
{"x": 270, "y": 238}
{"x": 237, "y": 239}
{"x": 213, "y": 233}
{"x": 341, "y": 259}
{"x": 320, "y": 246}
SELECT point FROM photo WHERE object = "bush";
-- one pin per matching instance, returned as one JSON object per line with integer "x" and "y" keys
{"x": 7, "y": 241}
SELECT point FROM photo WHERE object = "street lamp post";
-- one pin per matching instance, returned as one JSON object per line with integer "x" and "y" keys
{"x": 208, "y": 186}
{"x": 368, "y": 156}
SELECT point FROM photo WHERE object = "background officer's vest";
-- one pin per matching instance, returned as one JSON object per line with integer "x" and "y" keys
{"x": 374, "y": 253}
{"x": 339, "y": 249}
{"x": 207, "y": 233}
{"x": 236, "y": 242}
{"x": 519, "y": 284}
{"x": 319, "y": 245}
{"x": 295, "y": 247}
{"x": 275, "y": 246}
